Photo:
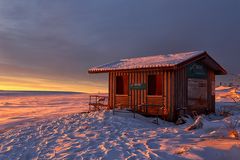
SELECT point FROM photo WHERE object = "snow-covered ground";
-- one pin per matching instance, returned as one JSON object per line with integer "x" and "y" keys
{"x": 21, "y": 108}
{"x": 227, "y": 94}
{"x": 102, "y": 135}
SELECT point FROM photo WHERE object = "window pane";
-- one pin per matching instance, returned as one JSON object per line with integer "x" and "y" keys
{"x": 122, "y": 85}
{"x": 152, "y": 85}
{"x": 119, "y": 85}
{"x": 155, "y": 85}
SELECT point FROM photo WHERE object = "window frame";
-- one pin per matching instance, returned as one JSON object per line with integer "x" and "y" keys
{"x": 123, "y": 87}
{"x": 158, "y": 91}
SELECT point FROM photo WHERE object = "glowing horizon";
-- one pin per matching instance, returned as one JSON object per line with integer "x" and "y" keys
{"x": 10, "y": 83}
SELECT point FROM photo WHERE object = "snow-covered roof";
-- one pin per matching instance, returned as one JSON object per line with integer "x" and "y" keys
{"x": 147, "y": 62}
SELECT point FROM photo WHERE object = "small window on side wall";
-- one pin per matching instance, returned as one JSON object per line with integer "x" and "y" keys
{"x": 155, "y": 85}
{"x": 122, "y": 85}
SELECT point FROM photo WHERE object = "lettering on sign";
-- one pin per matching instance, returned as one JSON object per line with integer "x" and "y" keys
{"x": 196, "y": 70}
{"x": 138, "y": 86}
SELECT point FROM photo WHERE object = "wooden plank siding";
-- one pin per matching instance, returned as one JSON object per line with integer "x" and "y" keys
{"x": 138, "y": 97}
{"x": 110, "y": 93}
{"x": 180, "y": 90}
{"x": 114, "y": 87}
{"x": 211, "y": 91}
{"x": 122, "y": 100}
{"x": 174, "y": 86}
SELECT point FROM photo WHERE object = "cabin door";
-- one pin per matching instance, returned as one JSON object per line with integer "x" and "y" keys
{"x": 197, "y": 93}
{"x": 197, "y": 87}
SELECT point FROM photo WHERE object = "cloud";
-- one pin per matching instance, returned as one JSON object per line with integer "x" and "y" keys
{"x": 60, "y": 40}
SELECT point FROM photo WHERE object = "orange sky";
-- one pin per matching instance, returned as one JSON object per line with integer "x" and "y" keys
{"x": 33, "y": 84}
{"x": 21, "y": 77}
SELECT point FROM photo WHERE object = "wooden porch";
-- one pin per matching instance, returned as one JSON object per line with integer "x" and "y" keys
{"x": 98, "y": 102}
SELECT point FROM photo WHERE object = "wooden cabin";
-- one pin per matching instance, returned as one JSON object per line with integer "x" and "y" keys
{"x": 169, "y": 85}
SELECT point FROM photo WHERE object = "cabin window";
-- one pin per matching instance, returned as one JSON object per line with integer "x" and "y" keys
{"x": 122, "y": 85}
{"x": 155, "y": 85}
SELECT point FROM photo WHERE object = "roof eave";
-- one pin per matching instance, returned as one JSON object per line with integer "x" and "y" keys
{"x": 97, "y": 71}
{"x": 132, "y": 69}
{"x": 222, "y": 70}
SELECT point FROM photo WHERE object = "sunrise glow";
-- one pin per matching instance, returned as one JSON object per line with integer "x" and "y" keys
{"x": 37, "y": 84}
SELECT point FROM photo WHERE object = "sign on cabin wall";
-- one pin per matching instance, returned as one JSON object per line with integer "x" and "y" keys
{"x": 138, "y": 86}
{"x": 197, "y": 92}
{"x": 196, "y": 70}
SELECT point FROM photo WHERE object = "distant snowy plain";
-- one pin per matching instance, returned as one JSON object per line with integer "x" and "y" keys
{"x": 53, "y": 127}
{"x": 22, "y": 108}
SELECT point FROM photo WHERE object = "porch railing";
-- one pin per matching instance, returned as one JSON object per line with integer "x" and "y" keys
{"x": 98, "y": 102}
